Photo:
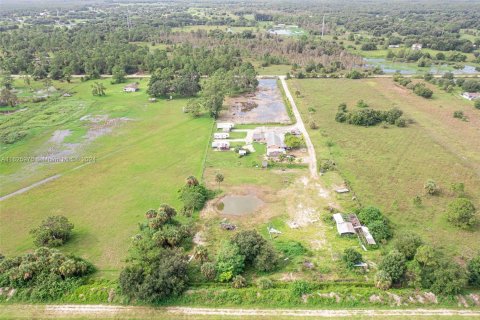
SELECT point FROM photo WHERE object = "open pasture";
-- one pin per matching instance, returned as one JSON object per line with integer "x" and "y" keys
{"x": 388, "y": 166}
{"x": 138, "y": 165}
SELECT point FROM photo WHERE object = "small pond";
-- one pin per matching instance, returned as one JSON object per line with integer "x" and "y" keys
{"x": 239, "y": 205}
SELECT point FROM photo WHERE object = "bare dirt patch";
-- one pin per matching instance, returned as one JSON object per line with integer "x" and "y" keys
{"x": 303, "y": 203}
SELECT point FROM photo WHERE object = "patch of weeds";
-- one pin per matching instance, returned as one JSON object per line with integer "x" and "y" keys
{"x": 291, "y": 248}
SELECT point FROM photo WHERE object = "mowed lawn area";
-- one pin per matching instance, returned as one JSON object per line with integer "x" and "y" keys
{"x": 387, "y": 167}
{"x": 139, "y": 165}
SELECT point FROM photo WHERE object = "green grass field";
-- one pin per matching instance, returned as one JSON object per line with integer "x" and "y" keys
{"x": 140, "y": 165}
{"x": 388, "y": 167}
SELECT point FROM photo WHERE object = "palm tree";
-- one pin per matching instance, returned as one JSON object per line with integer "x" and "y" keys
{"x": 192, "y": 181}
{"x": 200, "y": 253}
{"x": 219, "y": 179}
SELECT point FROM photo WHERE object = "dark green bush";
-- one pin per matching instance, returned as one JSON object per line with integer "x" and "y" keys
{"x": 164, "y": 276}
{"x": 394, "y": 264}
{"x": 461, "y": 212}
{"x": 473, "y": 268}
{"x": 351, "y": 257}
{"x": 52, "y": 232}
{"x": 392, "y": 115}
{"x": 47, "y": 273}
{"x": 256, "y": 250}
{"x": 230, "y": 262}
{"x": 378, "y": 225}
{"x": 365, "y": 117}
{"x": 407, "y": 244}
{"x": 354, "y": 74}
{"x": 421, "y": 90}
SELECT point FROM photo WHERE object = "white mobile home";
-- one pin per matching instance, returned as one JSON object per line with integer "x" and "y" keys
{"x": 221, "y": 135}
{"x": 225, "y": 126}
{"x": 221, "y": 144}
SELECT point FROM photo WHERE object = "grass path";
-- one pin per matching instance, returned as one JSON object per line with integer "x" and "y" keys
{"x": 33, "y": 185}
{"x": 127, "y": 312}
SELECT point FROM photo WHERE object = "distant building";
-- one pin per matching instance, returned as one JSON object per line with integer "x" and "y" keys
{"x": 296, "y": 132}
{"x": 131, "y": 87}
{"x": 225, "y": 126}
{"x": 221, "y": 144}
{"x": 416, "y": 46}
{"x": 258, "y": 136}
{"x": 394, "y": 46}
{"x": 221, "y": 135}
{"x": 275, "y": 144}
{"x": 275, "y": 140}
{"x": 471, "y": 95}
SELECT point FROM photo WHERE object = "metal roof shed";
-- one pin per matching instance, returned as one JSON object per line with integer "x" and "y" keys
{"x": 338, "y": 218}
{"x": 368, "y": 236}
{"x": 345, "y": 228}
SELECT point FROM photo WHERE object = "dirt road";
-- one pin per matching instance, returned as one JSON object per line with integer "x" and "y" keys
{"x": 301, "y": 126}
{"x": 128, "y": 312}
{"x": 33, "y": 185}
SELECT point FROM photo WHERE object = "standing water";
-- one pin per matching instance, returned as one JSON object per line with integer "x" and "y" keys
{"x": 239, "y": 205}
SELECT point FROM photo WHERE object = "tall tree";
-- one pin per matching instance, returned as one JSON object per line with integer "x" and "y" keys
{"x": 6, "y": 80}
{"x": 98, "y": 89}
{"x": 118, "y": 74}
{"x": 219, "y": 179}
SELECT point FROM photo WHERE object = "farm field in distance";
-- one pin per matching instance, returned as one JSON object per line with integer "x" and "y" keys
{"x": 388, "y": 167}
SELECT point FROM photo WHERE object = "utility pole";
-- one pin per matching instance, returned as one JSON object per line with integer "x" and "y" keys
{"x": 323, "y": 24}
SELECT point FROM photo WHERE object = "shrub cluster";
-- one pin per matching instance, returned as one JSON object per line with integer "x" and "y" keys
{"x": 354, "y": 74}
{"x": 419, "y": 89}
{"x": 52, "y": 232}
{"x": 193, "y": 195}
{"x": 293, "y": 141}
{"x": 377, "y": 224}
{"x": 432, "y": 271}
{"x": 157, "y": 277}
{"x": 47, "y": 273}
{"x": 448, "y": 82}
{"x": 462, "y": 213}
{"x": 245, "y": 249}
{"x": 369, "y": 117}
{"x": 425, "y": 268}
{"x": 351, "y": 257}
{"x": 157, "y": 266}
